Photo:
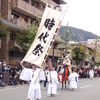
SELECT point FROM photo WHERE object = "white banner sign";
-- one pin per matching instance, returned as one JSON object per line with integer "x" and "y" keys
{"x": 46, "y": 31}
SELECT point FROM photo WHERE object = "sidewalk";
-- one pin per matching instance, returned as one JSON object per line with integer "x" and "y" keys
{"x": 14, "y": 86}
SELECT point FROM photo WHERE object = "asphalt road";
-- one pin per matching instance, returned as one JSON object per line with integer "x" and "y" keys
{"x": 87, "y": 90}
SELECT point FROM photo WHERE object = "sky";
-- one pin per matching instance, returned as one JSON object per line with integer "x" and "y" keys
{"x": 83, "y": 14}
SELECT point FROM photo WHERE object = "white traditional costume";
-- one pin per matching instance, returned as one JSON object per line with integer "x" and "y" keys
{"x": 53, "y": 80}
{"x": 34, "y": 88}
{"x": 66, "y": 61}
{"x": 73, "y": 78}
{"x": 91, "y": 73}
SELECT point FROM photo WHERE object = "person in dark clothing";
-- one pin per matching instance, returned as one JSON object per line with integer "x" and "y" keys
{"x": 59, "y": 69}
{"x": 19, "y": 67}
{"x": 13, "y": 73}
{"x": 11, "y": 80}
{"x": 0, "y": 67}
{"x": 2, "y": 84}
{"x": 14, "y": 80}
{"x": 3, "y": 70}
{"x": 9, "y": 69}
{"x": 46, "y": 72}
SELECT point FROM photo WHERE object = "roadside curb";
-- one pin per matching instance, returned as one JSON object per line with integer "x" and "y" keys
{"x": 13, "y": 86}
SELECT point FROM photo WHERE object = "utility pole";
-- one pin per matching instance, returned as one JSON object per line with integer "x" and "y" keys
{"x": 67, "y": 34}
{"x": 95, "y": 51}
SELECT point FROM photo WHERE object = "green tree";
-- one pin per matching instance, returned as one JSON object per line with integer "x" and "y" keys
{"x": 4, "y": 29}
{"x": 64, "y": 46}
{"x": 78, "y": 54}
{"x": 67, "y": 35}
{"x": 25, "y": 37}
{"x": 96, "y": 49}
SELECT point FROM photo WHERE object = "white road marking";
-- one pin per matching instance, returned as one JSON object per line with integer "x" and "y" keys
{"x": 86, "y": 86}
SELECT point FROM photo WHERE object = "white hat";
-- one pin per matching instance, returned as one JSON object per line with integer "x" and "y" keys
{"x": 66, "y": 57}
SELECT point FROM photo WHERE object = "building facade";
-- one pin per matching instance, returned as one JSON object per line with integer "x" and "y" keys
{"x": 20, "y": 14}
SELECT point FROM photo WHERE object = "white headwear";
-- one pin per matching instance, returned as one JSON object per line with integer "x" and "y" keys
{"x": 66, "y": 62}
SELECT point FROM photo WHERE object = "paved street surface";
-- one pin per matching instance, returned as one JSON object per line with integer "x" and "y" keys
{"x": 87, "y": 90}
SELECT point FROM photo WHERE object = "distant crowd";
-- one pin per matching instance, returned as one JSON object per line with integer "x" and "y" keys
{"x": 84, "y": 72}
{"x": 14, "y": 73}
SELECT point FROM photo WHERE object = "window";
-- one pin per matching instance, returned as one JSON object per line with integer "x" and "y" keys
{"x": 56, "y": 1}
{"x": 33, "y": 20}
{"x": 16, "y": 54}
{"x": 32, "y": 3}
{"x": 14, "y": 16}
{"x": 26, "y": 19}
{"x": 26, "y": 1}
{"x": 43, "y": 8}
{"x": 12, "y": 36}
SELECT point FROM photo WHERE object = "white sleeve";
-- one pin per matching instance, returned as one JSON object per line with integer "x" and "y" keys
{"x": 93, "y": 72}
{"x": 69, "y": 77}
{"x": 56, "y": 77}
{"x": 26, "y": 74}
{"x": 42, "y": 76}
{"x": 48, "y": 77}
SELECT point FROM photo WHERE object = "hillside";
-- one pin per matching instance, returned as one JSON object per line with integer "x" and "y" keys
{"x": 80, "y": 35}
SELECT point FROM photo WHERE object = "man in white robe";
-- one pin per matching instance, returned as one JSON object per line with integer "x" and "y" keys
{"x": 91, "y": 73}
{"x": 53, "y": 80}
{"x": 73, "y": 78}
{"x": 34, "y": 77}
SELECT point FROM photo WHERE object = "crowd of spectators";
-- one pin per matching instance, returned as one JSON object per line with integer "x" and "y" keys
{"x": 84, "y": 72}
{"x": 13, "y": 72}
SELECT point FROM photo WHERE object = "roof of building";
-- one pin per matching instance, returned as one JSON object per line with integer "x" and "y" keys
{"x": 58, "y": 40}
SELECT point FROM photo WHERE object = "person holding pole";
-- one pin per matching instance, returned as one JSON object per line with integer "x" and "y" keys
{"x": 33, "y": 76}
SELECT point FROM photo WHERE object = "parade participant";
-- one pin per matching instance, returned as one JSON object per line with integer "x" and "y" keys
{"x": 31, "y": 75}
{"x": 53, "y": 80}
{"x": 73, "y": 78}
{"x": 46, "y": 72}
{"x": 67, "y": 70}
{"x": 91, "y": 73}
{"x": 66, "y": 61}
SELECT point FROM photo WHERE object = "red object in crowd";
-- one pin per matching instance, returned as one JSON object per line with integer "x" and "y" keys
{"x": 63, "y": 78}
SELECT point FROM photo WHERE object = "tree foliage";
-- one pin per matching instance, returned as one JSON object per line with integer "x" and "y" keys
{"x": 64, "y": 46}
{"x": 96, "y": 49}
{"x": 4, "y": 29}
{"x": 78, "y": 54}
{"x": 80, "y": 35}
{"x": 25, "y": 37}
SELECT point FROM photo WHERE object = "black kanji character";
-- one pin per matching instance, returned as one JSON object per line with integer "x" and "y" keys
{"x": 43, "y": 36}
{"x": 37, "y": 49}
{"x": 49, "y": 23}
